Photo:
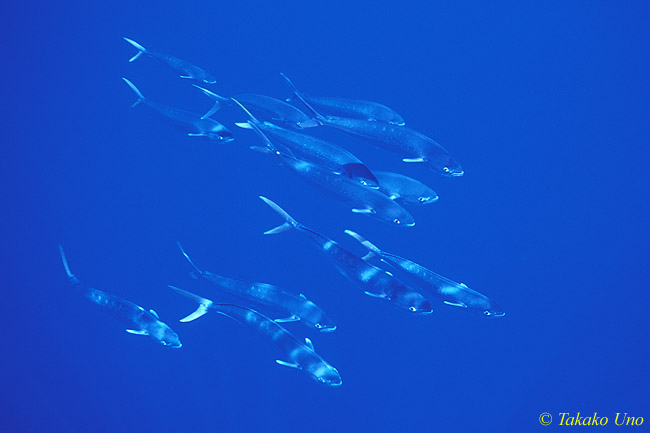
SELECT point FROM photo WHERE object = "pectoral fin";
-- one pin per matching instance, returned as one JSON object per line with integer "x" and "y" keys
{"x": 420, "y": 159}
{"x": 244, "y": 125}
{"x": 375, "y": 295}
{"x": 366, "y": 211}
{"x": 287, "y": 364}
{"x": 191, "y": 134}
{"x": 134, "y": 332}
{"x": 293, "y": 318}
{"x": 455, "y": 304}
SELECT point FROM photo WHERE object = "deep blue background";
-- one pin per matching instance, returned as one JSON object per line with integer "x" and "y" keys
{"x": 545, "y": 105}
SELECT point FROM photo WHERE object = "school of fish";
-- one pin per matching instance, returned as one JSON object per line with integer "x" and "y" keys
{"x": 281, "y": 127}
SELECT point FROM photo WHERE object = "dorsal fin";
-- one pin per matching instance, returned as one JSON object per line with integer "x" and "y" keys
{"x": 309, "y": 343}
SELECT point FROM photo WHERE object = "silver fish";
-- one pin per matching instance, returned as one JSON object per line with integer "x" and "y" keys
{"x": 203, "y": 127}
{"x": 404, "y": 188}
{"x": 187, "y": 70}
{"x": 140, "y": 321}
{"x": 296, "y": 307}
{"x": 410, "y": 144}
{"x": 374, "y": 281}
{"x": 355, "y": 108}
{"x": 298, "y": 355}
{"x": 450, "y": 292}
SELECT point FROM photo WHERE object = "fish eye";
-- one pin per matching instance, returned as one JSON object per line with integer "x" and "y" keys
{"x": 413, "y": 309}
{"x": 487, "y": 313}
{"x": 422, "y": 199}
{"x": 318, "y": 325}
{"x": 446, "y": 169}
{"x": 397, "y": 221}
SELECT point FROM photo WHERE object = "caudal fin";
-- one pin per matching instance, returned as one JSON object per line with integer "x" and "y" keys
{"x": 141, "y": 49}
{"x": 139, "y": 94}
{"x": 219, "y": 101}
{"x": 204, "y": 304}
{"x": 372, "y": 249}
{"x": 188, "y": 259}
{"x": 290, "y": 222}
{"x": 296, "y": 92}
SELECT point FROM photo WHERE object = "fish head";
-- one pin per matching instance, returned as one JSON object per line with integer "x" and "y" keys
{"x": 326, "y": 374}
{"x": 221, "y": 135}
{"x": 411, "y": 300}
{"x": 312, "y": 315}
{"x": 395, "y": 214}
{"x": 493, "y": 310}
{"x": 167, "y": 337}
{"x": 427, "y": 198}
{"x": 446, "y": 165}
{"x": 325, "y": 326}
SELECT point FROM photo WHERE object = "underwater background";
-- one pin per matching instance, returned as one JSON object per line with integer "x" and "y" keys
{"x": 546, "y": 106}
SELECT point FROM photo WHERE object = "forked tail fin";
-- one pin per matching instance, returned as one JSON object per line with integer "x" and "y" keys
{"x": 141, "y": 49}
{"x": 188, "y": 259}
{"x": 319, "y": 117}
{"x": 289, "y": 221}
{"x": 372, "y": 249}
{"x": 138, "y": 93}
{"x": 204, "y": 304}
{"x": 219, "y": 101}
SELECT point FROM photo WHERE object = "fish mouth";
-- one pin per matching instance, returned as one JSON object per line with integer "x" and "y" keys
{"x": 456, "y": 173}
{"x": 332, "y": 329}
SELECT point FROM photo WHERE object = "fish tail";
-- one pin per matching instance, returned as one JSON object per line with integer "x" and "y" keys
{"x": 141, "y": 49}
{"x": 290, "y": 222}
{"x": 70, "y": 275}
{"x": 139, "y": 94}
{"x": 296, "y": 92}
{"x": 204, "y": 304}
{"x": 219, "y": 101}
{"x": 188, "y": 258}
{"x": 372, "y": 248}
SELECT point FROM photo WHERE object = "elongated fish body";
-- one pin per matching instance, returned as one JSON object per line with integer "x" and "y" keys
{"x": 298, "y": 355}
{"x": 410, "y": 144}
{"x": 139, "y": 320}
{"x": 363, "y": 200}
{"x": 276, "y": 109}
{"x": 450, "y": 292}
{"x": 354, "y": 108}
{"x": 201, "y": 127}
{"x": 373, "y": 280}
{"x": 322, "y": 153}
{"x": 404, "y": 188}
{"x": 187, "y": 70}
{"x": 296, "y": 307}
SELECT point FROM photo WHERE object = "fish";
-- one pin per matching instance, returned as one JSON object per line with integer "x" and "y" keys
{"x": 297, "y": 307}
{"x": 202, "y": 127}
{"x": 278, "y": 110}
{"x": 366, "y": 201}
{"x": 413, "y": 146}
{"x": 450, "y": 292}
{"x": 354, "y": 108}
{"x": 373, "y": 281}
{"x": 187, "y": 70}
{"x": 314, "y": 150}
{"x": 404, "y": 188}
{"x": 140, "y": 321}
{"x": 299, "y": 355}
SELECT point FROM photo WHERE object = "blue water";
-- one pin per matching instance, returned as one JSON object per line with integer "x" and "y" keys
{"x": 544, "y": 104}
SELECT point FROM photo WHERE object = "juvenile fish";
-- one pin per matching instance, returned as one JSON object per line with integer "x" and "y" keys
{"x": 355, "y": 108}
{"x": 276, "y": 109}
{"x": 363, "y": 200}
{"x": 202, "y": 127}
{"x": 140, "y": 321}
{"x": 408, "y": 143}
{"x": 450, "y": 292}
{"x": 298, "y": 355}
{"x": 374, "y": 281}
{"x": 404, "y": 188}
{"x": 187, "y": 70}
{"x": 297, "y": 307}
